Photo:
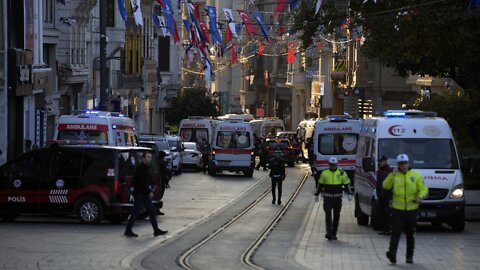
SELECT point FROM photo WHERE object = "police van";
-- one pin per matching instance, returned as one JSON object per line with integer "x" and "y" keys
{"x": 336, "y": 136}
{"x": 232, "y": 148}
{"x": 197, "y": 129}
{"x": 429, "y": 143}
{"x": 267, "y": 126}
{"x": 96, "y": 127}
{"x": 93, "y": 182}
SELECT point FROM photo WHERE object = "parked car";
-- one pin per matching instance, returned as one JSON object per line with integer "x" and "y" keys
{"x": 283, "y": 148}
{"x": 192, "y": 156}
{"x": 92, "y": 182}
{"x": 176, "y": 148}
{"x": 294, "y": 141}
{"x": 161, "y": 145}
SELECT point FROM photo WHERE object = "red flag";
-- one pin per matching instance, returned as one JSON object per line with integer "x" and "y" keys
{"x": 228, "y": 35}
{"x": 280, "y": 6}
{"x": 176, "y": 37}
{"x": 248, "y": 23}
{"x": 291, "y": 53}
{"x": 234, "y": 55}
{"x": 203, "y": 26}
{"x": 261, "y": 48}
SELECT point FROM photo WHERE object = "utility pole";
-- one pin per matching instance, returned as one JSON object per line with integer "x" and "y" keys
{"x": 103, "y": 56}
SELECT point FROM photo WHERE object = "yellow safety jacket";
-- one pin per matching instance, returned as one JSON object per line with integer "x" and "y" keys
{"x": 406, "y": 187}
{"x": 332, "y": 184}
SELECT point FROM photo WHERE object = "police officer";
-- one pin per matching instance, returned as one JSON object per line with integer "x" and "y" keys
{"x": 384, "y": 196}
{"x": 408, "y": 190}
{"x": 331, "y": 184}
{"x": 143, "y": 194}
{"x": 277, "y": 174}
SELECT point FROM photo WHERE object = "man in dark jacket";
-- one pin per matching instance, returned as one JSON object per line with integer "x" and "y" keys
{"x": 263, "y": 156}
{"x": 143, "y": 194}
{"x": 384, "y": 196}
{"x": 277, "y": 174}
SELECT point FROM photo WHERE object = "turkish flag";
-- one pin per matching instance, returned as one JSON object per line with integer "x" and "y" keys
{"x": 248, "y": 23}
{"x": 280, "y": 7}
{"x": 203, "y": 26}
{"x": 291, "y": 53}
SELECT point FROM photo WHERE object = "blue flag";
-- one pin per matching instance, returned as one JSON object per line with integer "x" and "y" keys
{"x": 169, "y": 5}
{"x": 212, "y": 14}
{"x": 293, "y": 4}
{"x": 258, "y": 17}
{"x": 156, "y": 20}
{"x": 199, "y": 29}
{"x": 121, "y": 9}
{"x": 474, "y": 4}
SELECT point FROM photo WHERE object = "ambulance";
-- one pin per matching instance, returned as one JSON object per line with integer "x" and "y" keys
{"x": 96, "y": 127}
{"x": 429, "y": 143}
{"x": 305, "y": 131}
{"x": 336, "y": 136}
{"x": 232, "y": 148}
{"x": 267, "y": 126}
{"x": 197, "y": 129}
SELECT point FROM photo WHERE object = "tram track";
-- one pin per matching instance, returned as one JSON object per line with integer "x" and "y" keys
{"x": 184, "y": 260}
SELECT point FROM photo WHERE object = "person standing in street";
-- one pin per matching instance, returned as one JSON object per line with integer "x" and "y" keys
{"x": 384, "y": 196}
{"x": 206, "y": 148}
{"x": 277, "y": 174}
{"x": 263, "y": 156}
{"x": 143, "y": 194}
{"x": 331, "y": 184}
{"x": 408, "y": 190}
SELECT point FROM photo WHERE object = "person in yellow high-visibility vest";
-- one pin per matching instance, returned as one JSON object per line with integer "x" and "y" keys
{"x": 331, "y": 184}
{"x": 408, "y": 190}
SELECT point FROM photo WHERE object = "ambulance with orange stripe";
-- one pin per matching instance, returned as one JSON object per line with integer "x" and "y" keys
{"x": 232, "y": 148}
{"x": 96, "y": 127}
{"x": 336, "y": 136}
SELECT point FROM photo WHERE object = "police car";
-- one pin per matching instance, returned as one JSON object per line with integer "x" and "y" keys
{"x": 429, "y": 143}
{"x": 336, "y": 136}
{"x": 96, "y": 127}
{"x": 232, "y": 148}
{"x": 91, "y": 182}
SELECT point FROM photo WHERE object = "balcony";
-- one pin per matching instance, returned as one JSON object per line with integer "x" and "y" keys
{"x": 296, "y": 80}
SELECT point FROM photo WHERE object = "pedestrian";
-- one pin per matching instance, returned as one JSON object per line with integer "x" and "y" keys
{"x": 408, "y": 190}
{"x": 331, "y": 184}
{"x": 143, "y": 194}
{"x": 384, "y": 196}
{"x": 263, "y": 156}
{"x": 309, "y": 146}
{"x": 205, "y": 153}
{"x": 277, "y": 174}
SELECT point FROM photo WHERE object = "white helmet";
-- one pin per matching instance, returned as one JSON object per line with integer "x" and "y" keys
{"x": 402, "y": 158}
{"x": 333, "y": 160}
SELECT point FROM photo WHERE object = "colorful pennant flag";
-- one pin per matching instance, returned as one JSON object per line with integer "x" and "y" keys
{"x": 280, "y": 7}
{"x": 231, "y": 23}
{"x": 258, "y": 17}
{"x": 163, "y": 25}
{"x": 248, "y": 23}
{"x": 137, "y": 11}
{"x": 121, "y": 9}
{"x": 293, "y": 4}
{"x": 212, "y": 14}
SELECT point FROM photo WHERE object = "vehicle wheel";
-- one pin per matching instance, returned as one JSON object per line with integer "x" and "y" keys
{"x": 362, "y": 219}
{"x": 458, "y": 224}
{"x": 376, "y": 220}
{"x": 9, "y": 217}
{"x": 90, "y": 210}
{"x": 291, "y": 164}
{"x": 117, "y": 219}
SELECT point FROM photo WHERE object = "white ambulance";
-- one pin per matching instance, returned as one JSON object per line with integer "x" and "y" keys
{"x": 232, "y": 148}
{"x": 305, "y": 131}
{"x": 96, "y": 127}
{"x": 267, "y": 126}
{"x": 197, "y": 129}
{"x": 429, "y": 143}
{"x": 336, "y": 136}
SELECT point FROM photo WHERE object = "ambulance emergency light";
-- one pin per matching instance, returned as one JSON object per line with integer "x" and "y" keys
{"x": 408, "y": 113}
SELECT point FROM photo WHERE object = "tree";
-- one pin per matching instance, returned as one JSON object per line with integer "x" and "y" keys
{"x": 191, "y": 102}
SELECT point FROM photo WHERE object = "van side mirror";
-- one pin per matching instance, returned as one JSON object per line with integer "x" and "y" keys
{"x": 367, "y": 164}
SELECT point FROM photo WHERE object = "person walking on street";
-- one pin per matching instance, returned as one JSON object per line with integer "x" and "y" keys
{"x": 384, "y": 196}
{"x": 277, "y": 174}
{"x": 206, "y": 148}
{"x": 143, "y": 194}
{"x": 408, "y": 190}
{"x": 263, "y": 156}
{"x": 331, "y": 184}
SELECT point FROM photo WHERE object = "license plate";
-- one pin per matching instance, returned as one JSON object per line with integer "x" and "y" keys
{"x": 223, "y": 163}
{"x": 427, "y": 214}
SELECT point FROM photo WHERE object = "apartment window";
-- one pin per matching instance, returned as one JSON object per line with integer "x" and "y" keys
{"x": 132, "y": 53}
{"x": 111, "y": 13}
{"x": 78, "y": 50}
{"x": 48, "y": 10}
{"x": 164, "y": 53}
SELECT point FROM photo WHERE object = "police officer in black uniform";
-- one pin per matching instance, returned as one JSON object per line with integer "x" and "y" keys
{"x": 277, "y": 174}
{"x": 143, "y": 194}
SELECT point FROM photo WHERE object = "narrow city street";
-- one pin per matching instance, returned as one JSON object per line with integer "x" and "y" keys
{"x": 228, "y": 222}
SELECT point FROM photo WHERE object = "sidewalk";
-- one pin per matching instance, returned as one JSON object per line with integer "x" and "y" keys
{"x": 361, "y": 247}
